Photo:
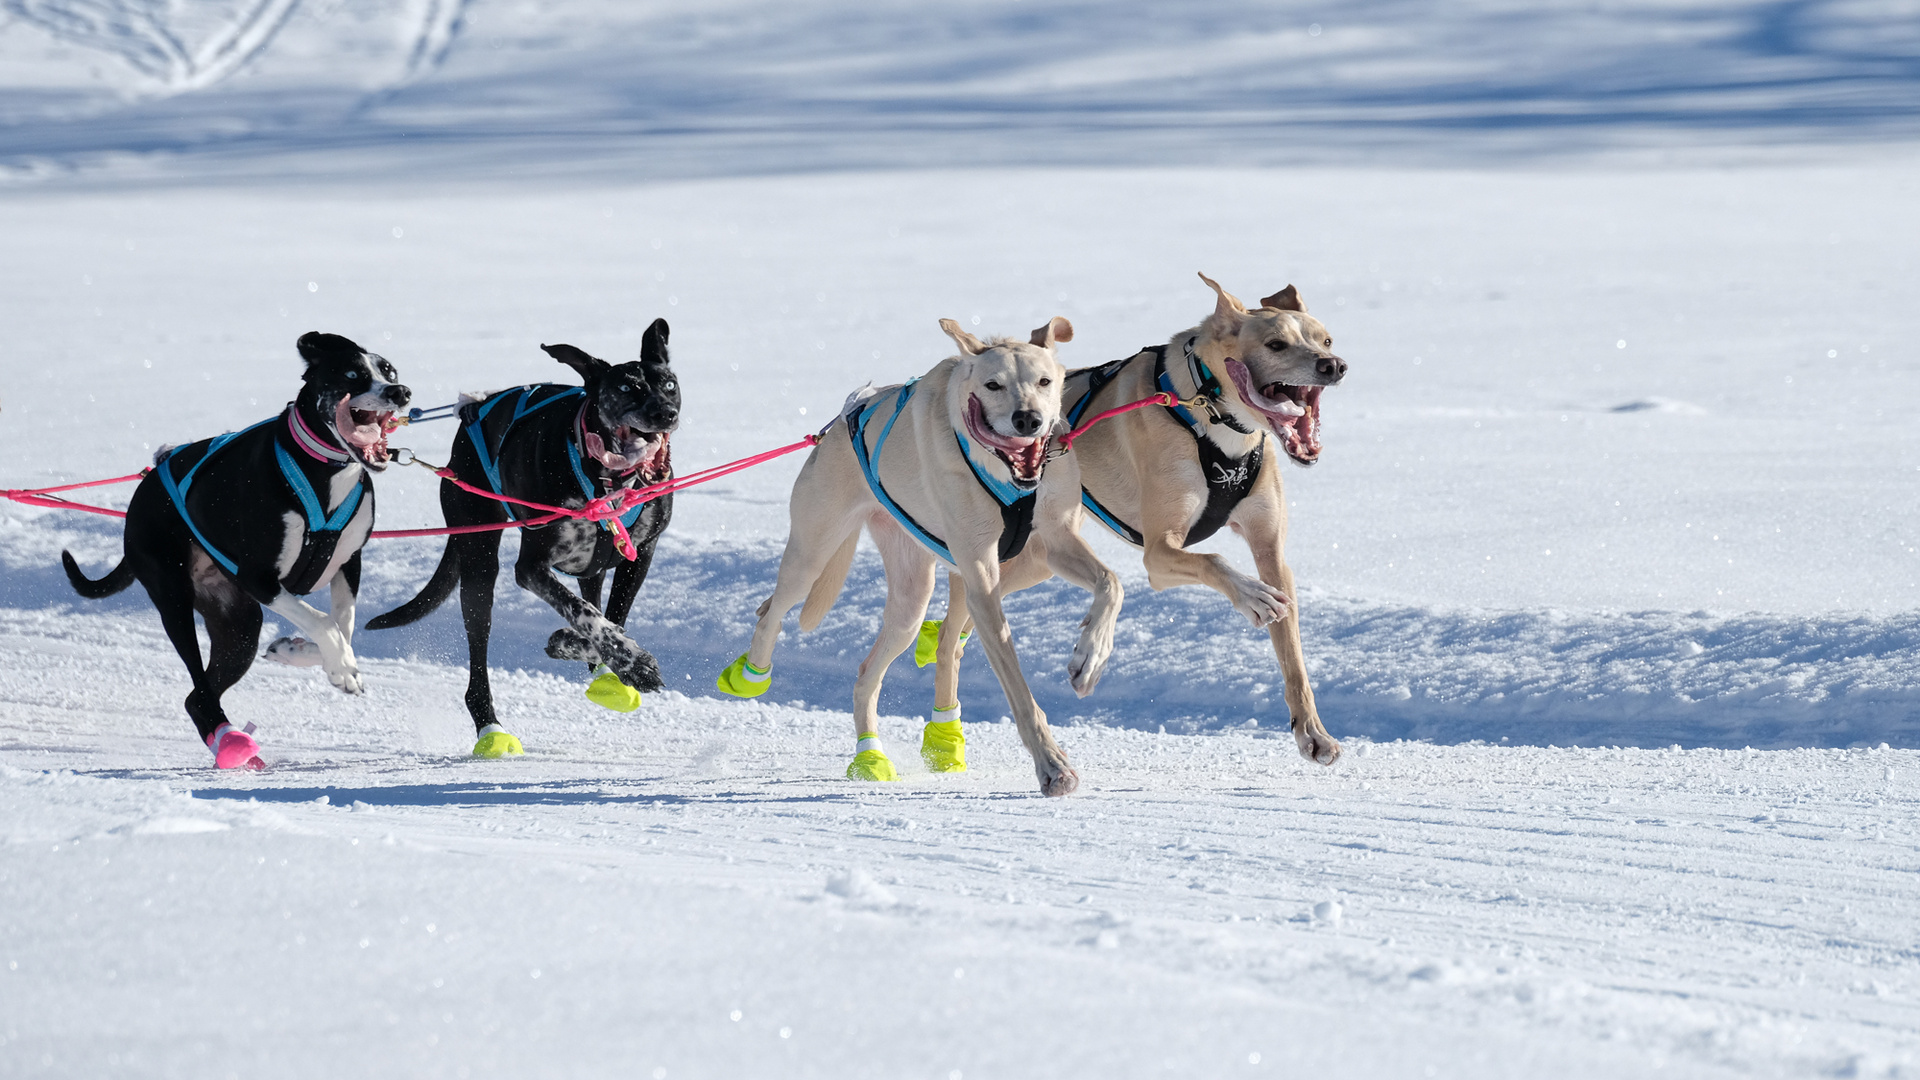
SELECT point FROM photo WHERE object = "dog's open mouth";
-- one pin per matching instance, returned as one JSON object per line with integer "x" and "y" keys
{"x": 365, "y": 432}
{"x": 1292, "y": 411}
{"x": 1024, "y": 456}
{"x": 646, "y": 451}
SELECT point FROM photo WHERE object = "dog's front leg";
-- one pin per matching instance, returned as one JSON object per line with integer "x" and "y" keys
{"x": 1169, "y": 564}
{"x": 996, "y": 637}
{"x": 635, "y": 666}
{"x": 343, "y": 594}
{"x": 336, "y": 655}
{"x": 1069, "y": 556}
{"x": 1264, "y": 528}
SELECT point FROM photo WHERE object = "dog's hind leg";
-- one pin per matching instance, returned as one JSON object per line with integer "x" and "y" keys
{"x": 478, "y": 558}
{"x": 172, "y": 596}
{"x": 909, "y": 587}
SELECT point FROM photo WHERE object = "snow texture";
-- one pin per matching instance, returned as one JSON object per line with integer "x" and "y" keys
{"x": 1608, "y": 576}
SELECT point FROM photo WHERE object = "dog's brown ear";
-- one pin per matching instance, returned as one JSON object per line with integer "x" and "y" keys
{"x": 1228, "y": 309}
{"x": 969, "y": 344}
{"x": 1057, "y": 329}
{"x": 1287, "y": 299}
{"x": 588, "y": 366}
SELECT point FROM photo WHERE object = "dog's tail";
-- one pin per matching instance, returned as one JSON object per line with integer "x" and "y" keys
{"x": 118, "y": 578}
{"x": 826, "y": 590}
{"x": 438, "y": 588}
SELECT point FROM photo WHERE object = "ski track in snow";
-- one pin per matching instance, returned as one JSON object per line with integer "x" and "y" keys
{"x": 1713, "y": 912}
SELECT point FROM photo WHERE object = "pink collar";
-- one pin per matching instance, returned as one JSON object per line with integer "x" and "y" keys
{"x": 305, "y": 438}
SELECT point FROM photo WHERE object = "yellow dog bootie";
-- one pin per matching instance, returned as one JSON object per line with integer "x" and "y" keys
{"x": 607, "y": 691}
{"x": 870, "y": 762}
{"x": 742, "y": 679}
{"x": 943, "y": 745}
{"x": 496, "y": 741}
{"x": 926, "y": 647}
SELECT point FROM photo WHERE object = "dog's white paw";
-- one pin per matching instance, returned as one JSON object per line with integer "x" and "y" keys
{"x": 1260, "y": 602}
{"x": 294, "y": 652}
{"x": 1089, "y": 662}
{"x": 347, "y": 678}
{"x": 1314, "y": 742}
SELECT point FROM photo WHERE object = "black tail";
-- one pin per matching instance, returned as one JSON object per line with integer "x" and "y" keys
{"x": 439, "y": 587}
{"x": 118, "y": 578}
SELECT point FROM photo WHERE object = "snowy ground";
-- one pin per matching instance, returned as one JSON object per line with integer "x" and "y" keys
{"x": 1609, "y": 573}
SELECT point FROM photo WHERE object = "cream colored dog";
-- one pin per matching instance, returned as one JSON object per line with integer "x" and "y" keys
{"x": 947, "y": 468}
{"x": 1163, "y": 478}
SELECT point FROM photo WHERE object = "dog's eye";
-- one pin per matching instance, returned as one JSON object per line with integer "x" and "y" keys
{"x": 1329, "y": 343}
{"x": 991, "y": 385}
{"x": 670, "y": 385}
{"x": 1046, "y": 382}
{"x": 1277, "y": 346}
{"x": 356, "y": 376}
{"x": 626, "y": 388}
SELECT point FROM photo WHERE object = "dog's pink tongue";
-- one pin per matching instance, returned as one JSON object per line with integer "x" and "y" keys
{"x": 597, "y": 449}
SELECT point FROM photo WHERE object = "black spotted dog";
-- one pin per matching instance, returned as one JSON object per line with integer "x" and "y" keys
{"x": 558, "y": 446}
{"x": 262, "y": 517}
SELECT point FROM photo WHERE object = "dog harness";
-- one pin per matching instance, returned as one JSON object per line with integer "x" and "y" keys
{"x": 1016, "y": 506}
{"x": 487, "y": 441}
{"x": 323, "y": 529}
{"x": 1229, "y": 479}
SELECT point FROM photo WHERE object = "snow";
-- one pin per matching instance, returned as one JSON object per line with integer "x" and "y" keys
{"x": 1608, "y": 575}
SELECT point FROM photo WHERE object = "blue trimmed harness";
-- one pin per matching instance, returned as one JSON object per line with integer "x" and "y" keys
{"x": 1016, "y": 505}
{"x": 525, "y": 406}
{"x": 1229, "y": 480}
{"x": 323, "y": 529}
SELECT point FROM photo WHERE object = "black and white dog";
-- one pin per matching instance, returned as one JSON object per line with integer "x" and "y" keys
{"x": 557, "y": 445}
{"x": 259, "y": 517}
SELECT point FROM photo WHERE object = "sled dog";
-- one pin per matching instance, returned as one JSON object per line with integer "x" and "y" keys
{"x": 1164, "y": 478}
{"x": 558, "y": 445}
{"x": 262, "y": 517}
{"x": 944, "y": 469}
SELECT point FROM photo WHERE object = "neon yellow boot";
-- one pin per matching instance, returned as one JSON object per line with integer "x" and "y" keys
{"x": 742, "y": 679}
{"x": 943, "y": 745}
{"x": 496, "y": 741}
{"x": 608, "y": 692}
{"x": 872, "y": 765}
{"x": 926, "y": 647}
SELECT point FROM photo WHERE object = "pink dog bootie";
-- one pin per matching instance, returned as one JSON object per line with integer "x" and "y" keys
{"x": 233, "y": 749}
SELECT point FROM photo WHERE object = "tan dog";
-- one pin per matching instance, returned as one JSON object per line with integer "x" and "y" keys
{"x": 945, "y": 468}
{"x": 1162, "y": 478}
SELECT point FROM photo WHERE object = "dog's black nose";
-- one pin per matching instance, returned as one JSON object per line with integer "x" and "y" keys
{"x": 1332, "y": 368}
{"x": 668, "y": 415}
{"x": 1026, "y": 422}
{"x": 396, "y": 394}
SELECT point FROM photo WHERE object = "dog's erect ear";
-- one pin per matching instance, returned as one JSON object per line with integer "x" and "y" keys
{"x": 315, "y": 346}
{"x": 1057, "y": 329}
{"x": 969, "y": 344}
{"x": 1228, "y": 308}
{"x": 589, "y": 367}
{"x": 653, "y": 343}
{"x": 1287, "y": 299}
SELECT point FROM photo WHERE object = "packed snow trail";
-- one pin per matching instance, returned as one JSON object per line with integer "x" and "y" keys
{"x": 618, "y": 894}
